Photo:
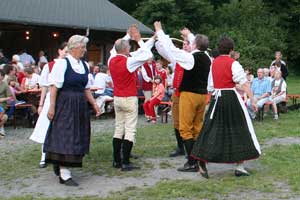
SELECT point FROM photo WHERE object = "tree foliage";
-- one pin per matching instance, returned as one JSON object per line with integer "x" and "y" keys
{"x": 258, "y": 27}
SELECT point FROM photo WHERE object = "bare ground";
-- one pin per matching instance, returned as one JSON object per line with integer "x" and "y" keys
{"x": 46, "y": 184}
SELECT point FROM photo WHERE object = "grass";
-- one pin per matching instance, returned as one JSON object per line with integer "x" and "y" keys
{"x": 293, "y": 84}
{"x": 279, "y": 164}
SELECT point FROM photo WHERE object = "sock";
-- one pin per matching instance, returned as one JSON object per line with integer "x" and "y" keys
{"x": 65, "y": 173}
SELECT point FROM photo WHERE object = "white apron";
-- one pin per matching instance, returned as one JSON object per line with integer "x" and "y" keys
{"x": 42, "y": 124}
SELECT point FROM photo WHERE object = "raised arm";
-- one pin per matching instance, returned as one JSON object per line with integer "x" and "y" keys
{"x": 172, "y": 53}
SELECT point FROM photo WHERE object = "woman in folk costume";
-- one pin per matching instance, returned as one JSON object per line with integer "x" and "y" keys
{"x": 227, "y": 135}
{"x": 68, "y": 136}
{"x": 41, "y": 127}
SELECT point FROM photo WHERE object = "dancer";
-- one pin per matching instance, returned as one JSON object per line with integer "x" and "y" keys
{"x": 68, "y": 136}
{"x": 227, "y": 135}
{"x": 123, "y": 72}
{"x": 42, "y": 124}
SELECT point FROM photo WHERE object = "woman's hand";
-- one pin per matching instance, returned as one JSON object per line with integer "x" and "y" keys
{"x": 51, "y": 112}
{"x": 97, "y": 109}
{"x": 40, "y": 109}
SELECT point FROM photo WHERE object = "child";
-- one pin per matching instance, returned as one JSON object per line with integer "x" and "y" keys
{"x": 158, "y": 94}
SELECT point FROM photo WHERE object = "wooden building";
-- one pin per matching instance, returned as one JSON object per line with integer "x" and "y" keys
{"x": 37, "y": 25}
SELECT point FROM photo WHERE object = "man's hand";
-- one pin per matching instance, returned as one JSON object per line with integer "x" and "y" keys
{"x": 157, "y": 26}
{"x": 135, "y": 33}
{"x": 184, "y": 33}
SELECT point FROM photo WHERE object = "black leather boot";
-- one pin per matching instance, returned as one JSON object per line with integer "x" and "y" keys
{"x": 117, "y": 144}
{"x": 190, "y": 165}
{"x": 180, "y": 149}
{"x": 126, "y": 165}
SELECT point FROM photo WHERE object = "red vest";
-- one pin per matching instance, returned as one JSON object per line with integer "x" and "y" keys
{"x": 222, "y": 73}
{"x": 125, "y": 83}
{"x": 178, "y": 75}
{"x": 50, "y": 65}
{"x": 147, "y": 86}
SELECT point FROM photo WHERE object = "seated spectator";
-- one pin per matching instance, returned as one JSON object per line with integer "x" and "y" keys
{"x": 158, "y": 94}
{"x": 31, "y": 80}
{"x": 278, "y": 92}
{"x": 9, "y": 71}
{"x": 101, "y": 82}
{"x": 249, "y": 74}
{"x": 16, "y": 60}
{"x": 261, "y": 88}
{"x": 279, "y": 66}
{"x": 96, "y": 70}
{"x": 42, "y": 61}
{"x": 5, "y": 95}
{"x": 26, "y": 59}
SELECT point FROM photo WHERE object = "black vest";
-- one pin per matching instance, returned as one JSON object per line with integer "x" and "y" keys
{"x": 195, "y": 80}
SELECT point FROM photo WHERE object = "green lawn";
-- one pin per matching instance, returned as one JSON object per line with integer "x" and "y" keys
{"x": 279, "y": 164}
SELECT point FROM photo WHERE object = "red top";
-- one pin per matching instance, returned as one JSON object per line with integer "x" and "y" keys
{"x": 125, "y": 83}
{"x": 147, "y": 86}
{"x": 163, "y": 74}
{"x": 222, "y": 73}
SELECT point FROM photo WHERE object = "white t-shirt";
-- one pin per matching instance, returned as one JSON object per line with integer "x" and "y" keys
{"x": 101, "y": 79}
{"x": 31, "y": 82}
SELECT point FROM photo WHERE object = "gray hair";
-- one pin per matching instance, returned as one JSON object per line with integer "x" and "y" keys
{"x": 77, "y": 40}
{"x": 120, "y": 45}
{"x": 201, "y": 42}
{"x": 16, "y": 58}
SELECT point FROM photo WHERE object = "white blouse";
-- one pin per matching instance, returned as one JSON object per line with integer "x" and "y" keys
{"x": 57, "y": 75}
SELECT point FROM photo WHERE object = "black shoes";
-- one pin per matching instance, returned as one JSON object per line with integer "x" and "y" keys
{"x": 202, "y": 169}
{"x": 177, "y": 152}
{"x": 56, "y": 169}
{"x": 69, "y": 182}
{"x": 188, "y": 168}
{"x": 239, "y": 173}
{"x": 129, "y": 167}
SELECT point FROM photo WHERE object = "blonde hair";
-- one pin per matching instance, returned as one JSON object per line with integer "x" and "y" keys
{"x": 76, "y": 40}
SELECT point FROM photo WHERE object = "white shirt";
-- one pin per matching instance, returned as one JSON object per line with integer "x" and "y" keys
{"x": 43, "y": 59}
{"x": 57, "y": 75}
{"x": 167, "y": 49}
{"x": 145, "y": 75}
{"x": 138, "y": 57}
{"x": 31, "y": 83}
{"x": 101, "y": 80}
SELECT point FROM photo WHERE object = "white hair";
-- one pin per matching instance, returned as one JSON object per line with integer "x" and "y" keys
{"x": 76, "y": 40}
{"x": 16, "y": 58}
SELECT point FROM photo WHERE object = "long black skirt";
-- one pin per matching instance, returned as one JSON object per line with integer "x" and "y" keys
{"x": 227, "y": 135}
{"x": 68, "y": 136}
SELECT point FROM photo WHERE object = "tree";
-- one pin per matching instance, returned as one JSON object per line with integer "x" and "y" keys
{"x": 253, "y": 28}
{"x": 165, "y": 11}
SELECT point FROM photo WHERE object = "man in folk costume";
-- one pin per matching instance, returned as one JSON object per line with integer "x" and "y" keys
{"x": 178, "y": 75}
{"x": 148, "y": 72}
{"x": 227, "y": 135}
{"x": 192, "y": 89}
{"x": 123, "y": 71}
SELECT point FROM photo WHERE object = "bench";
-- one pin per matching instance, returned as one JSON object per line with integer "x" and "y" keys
{"x": 268, "y": 103}
{"x": 164, "y": 112}
{"x": 17, "y": 109}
